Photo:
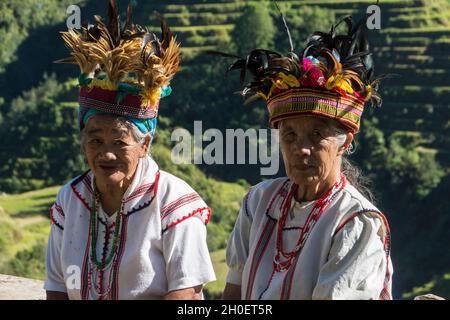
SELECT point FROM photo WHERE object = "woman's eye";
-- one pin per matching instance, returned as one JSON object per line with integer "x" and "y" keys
{"x": 94, "y": 141}
{"x": 317, "y": 134}
{"x": 119, "y": 143}
{"x": 289, "y": 136}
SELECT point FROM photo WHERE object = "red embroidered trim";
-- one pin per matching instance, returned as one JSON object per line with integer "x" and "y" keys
{"x": 350, "y": 218}
{"x": 52, "y": 219}
{"x": 84, "y": 290}
{"x": 254, "y": 265}
{"x": 123, "y": 239}
{"x": 87, "y": 183}
{"x": 163, "y": 209}
{"x": 191, "y": 215}
{"x": 181, "y": 204}
{"x": 155, "y": 188}
{"x": 80, "y": 197}
{"x": 59, "y": 209}
{"x": 141, "y": 190}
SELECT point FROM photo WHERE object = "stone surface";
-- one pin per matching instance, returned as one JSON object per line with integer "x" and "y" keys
{"x": 16, "y": 288}
{"x": 428, "y": 297}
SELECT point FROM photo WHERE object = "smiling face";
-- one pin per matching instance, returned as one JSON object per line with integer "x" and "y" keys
{"x": 311, "y": 150}
{"x": 111, "y": 151}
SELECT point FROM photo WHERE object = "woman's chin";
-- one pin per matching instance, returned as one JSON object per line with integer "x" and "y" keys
{"x": 109, "y": 178}
{"x": 304, "y": 178}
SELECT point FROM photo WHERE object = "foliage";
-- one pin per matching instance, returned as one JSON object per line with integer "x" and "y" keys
{"x": 301, "y": 22}
{"x": 253, "y": 29}
{"x": 29, "y": 263}
{"x": 17, "y": 19}
{"x": 40, "y": 146}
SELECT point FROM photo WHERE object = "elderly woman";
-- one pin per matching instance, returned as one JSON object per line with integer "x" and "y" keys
{"x": 125, "y": 229}
{"x": 313, "y": 234}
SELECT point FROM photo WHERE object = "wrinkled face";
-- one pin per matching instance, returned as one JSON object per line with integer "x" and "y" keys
{"x": 310, "y": 149}
{"x": 111, "y": 151}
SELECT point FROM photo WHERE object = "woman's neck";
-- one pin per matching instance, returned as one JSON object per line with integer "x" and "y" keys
{"x": 111, "y": 197}
{"x": 316, "y": 190}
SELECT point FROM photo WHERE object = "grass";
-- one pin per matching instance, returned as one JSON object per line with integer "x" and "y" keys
{"x": 215, "y": 289}
{"x": 29, "y": 203}
{"x": 24, "y": 224}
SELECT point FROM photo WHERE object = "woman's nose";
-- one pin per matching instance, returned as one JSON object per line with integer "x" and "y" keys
{"x": 107, "y": 153}
{"x": 302, "y": 146}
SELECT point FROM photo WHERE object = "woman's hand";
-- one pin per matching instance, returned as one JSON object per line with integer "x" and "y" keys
{"x": 194, "y": 293}
{"x": 57, "y": 295}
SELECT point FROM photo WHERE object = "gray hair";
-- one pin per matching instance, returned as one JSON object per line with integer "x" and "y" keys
{"x": 348, "y": 168}
{"x": 138, "y": 135}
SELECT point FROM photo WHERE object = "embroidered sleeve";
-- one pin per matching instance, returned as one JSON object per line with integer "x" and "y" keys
{"x": 238, "y": 243}
{"x": 57, "y": 215}
{"x": 54, "y": 274}
{"x": 357, "y": 264}
{"x": 185, "y": 250}
{"x": 182, "y": 208}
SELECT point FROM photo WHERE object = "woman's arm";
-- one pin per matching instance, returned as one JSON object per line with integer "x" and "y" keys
{"x": 57, "y": 295}
{"x": 238, "y": 250}
{"x": 194, "y": 293}
{"x": 188, "y": 264}
{"x": 232, "y": 292}
{"x": 357, "y": 262}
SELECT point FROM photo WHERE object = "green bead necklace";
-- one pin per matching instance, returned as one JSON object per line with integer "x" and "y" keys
{"x": 94, "y": 234}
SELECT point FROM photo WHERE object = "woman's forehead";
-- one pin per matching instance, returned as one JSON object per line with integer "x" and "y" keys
{"x": 105, "y": 124}
{"x": 304, "y": 122}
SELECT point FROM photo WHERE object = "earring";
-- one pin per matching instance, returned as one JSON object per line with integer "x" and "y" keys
{"x": 351, "y": 148}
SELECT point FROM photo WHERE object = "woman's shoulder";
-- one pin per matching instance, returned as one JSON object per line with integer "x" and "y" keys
{"x": 67, "y": 189}
{"x": 261, "y": 193}
{"x": 354, "y": 205}
{"x": 356, "y": 201}
{"x": 269, "y": 185}
{"x": 178, "y": 201}
{"x": 171, "y": 183}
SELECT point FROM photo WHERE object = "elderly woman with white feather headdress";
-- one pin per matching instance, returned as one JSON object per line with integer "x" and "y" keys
{"x": 125, "y": 229}
{"x": 313, "y": 234}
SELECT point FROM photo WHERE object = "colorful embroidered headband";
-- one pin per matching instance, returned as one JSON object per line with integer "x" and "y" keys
{"x": 124, "y": 70}
{"x": 333, "y": 78}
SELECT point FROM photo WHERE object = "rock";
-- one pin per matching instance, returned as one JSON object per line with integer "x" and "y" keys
{"x": 16, "y": 288}
{"x": 428, "y": 297}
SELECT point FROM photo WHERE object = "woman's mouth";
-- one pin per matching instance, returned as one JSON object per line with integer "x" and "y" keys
{"x": 109, "y": 168}
{"x": 303, "y": 167}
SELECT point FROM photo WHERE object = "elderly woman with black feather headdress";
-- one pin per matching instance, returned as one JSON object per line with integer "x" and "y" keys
{"x": 125, "y": 229}
{"x": 313, "y": 234}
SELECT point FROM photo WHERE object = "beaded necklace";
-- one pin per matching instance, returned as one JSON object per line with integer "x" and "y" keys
{"x": 98, "y": 267}
{"x": 317, "y": 210}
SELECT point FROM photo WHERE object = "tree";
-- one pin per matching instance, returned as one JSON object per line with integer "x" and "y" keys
{"x": 302, "y": 23}
{"x": 253, "y": 29}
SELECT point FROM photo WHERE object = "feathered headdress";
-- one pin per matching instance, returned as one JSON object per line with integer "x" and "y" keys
{"x": 332, "y": 77}
{"x": 124, "y": 70}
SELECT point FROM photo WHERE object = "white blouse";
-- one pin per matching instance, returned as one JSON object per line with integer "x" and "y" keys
{"x": 345, "y": 255}
{"x": 160, "y": 243}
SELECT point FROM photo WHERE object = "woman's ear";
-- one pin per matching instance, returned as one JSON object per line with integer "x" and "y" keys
{"x": 146, "y": 145}
{"x": 348, "y": 141}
